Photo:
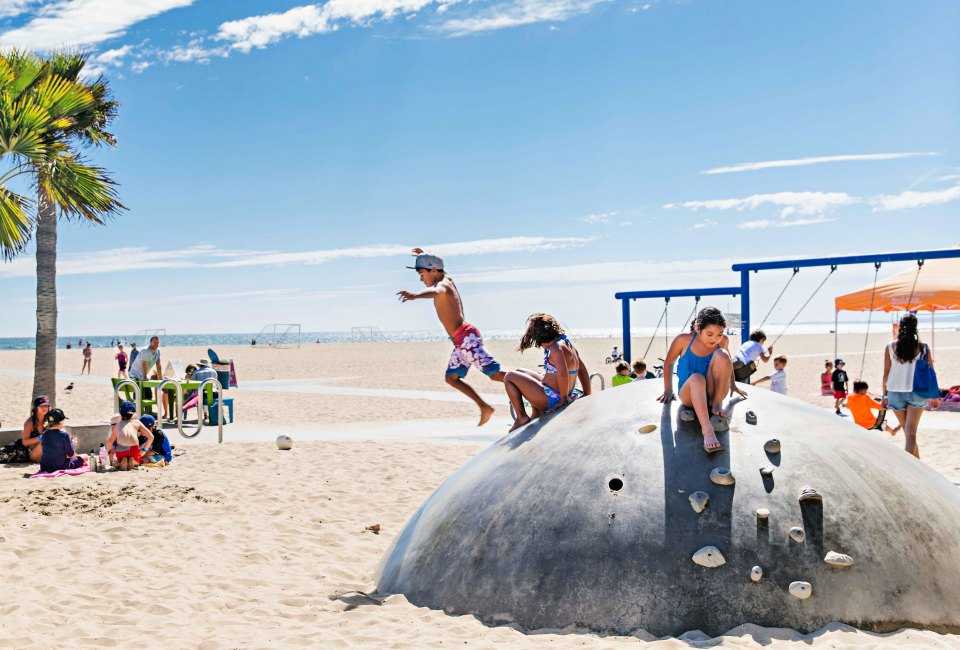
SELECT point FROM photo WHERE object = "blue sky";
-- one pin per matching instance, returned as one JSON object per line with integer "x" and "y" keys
{"x": 278, "y": 157}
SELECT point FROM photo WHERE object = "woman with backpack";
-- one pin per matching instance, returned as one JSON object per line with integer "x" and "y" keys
{"x": 900, "y": 369}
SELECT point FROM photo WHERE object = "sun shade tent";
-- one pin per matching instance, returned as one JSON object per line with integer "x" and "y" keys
{"x": 938, "y": 289}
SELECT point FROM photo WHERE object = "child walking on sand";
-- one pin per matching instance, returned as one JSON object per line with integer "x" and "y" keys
{"x": 840, "y": 383}
{"x": 468, "y": 348}
{"x": 826, "y": 379}
{"x": 703, "y": 371}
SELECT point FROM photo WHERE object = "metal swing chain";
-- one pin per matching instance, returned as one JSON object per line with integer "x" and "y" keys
{"x": 866, "y": 339}
{"x": 800, "y": 311}
{"x": 690, "y": 317}
{"x": 654, "y": 336}
{"x": 782, "y": 291}
{"x": 915, "y": 278}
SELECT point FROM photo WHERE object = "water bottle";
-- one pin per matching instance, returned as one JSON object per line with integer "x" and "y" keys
{"x": 92, "y": 460}
{"x": 104, "y": 458}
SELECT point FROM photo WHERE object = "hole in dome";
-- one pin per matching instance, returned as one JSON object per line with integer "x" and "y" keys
{"x": 615, "y": 484}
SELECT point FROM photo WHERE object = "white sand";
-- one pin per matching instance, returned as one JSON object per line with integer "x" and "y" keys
{"x": 242, "y": 545}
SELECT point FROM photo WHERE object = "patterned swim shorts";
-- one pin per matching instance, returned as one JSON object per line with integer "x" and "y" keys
{"x": 468, "y": 351}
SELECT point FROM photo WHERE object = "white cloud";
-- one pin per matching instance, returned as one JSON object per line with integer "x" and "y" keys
{"x": 806, "y": 203}
{"x": 706, "y": 223}
{"x": 761, "y": 224}
{"x": 66, "y": 23}
{"x": 207, "y": 256}
{"x": 514, "y": 14}
{"x": 15, "y": 7}
{"x": 597, "y": 218}
{"x": 114, "y": 56}
{"x": 655, "y": 273}
{"x": 817, "y": 160}
{"x": 910, "y": 199}
{"x": 263, "y": 30}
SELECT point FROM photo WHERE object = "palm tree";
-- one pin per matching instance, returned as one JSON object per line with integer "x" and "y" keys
{"x": 67, "y": 111}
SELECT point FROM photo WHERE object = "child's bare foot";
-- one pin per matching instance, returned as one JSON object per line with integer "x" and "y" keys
{"x": 710, "y": 442}
{"x": 718, "y": 410}
{"x": 519, "y": 422}
{"x": 486, "y": 412}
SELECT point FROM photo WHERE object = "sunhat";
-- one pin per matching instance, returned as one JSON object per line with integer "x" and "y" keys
{"x": 205, "y": 363}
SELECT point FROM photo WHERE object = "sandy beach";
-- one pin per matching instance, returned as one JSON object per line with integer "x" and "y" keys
{"x": 242, "y": 545}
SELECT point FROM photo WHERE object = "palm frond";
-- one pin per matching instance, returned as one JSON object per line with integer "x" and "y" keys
{"x": 79, "y": 190}
{"x": 15, "y": 223}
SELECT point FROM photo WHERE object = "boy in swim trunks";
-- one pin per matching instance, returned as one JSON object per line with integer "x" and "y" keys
{"x": 468, "y": 349}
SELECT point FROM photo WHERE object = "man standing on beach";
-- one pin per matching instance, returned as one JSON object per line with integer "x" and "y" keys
{"x": 468, "y": 349}
{"x": 140, "y": 369}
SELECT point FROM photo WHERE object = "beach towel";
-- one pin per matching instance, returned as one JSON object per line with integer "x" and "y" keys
{"x": 63, "y": 472}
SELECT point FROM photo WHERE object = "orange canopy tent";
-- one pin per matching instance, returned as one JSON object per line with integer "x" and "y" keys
{"x": 937, "y": 289}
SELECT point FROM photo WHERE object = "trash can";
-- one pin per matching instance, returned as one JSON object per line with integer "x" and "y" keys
{"x": 223, "y": 372}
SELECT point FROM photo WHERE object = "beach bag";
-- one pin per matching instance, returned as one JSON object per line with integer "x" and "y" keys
{"x": 742, "y": 372}
{"x": 924, "y": 377}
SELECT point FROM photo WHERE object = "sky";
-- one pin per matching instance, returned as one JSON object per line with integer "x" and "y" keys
{"x": 279, "y": 159}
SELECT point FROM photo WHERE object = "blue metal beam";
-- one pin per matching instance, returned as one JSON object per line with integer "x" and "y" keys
{"x": 850, "y": 259}
{"x": 678, "y": 293}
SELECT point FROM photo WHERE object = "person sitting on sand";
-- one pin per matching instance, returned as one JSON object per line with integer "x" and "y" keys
{"x": 468, "y": 348}
{"x": 58, "y": 452}
{"x": 703, "y": 371}
{"x": 125, "y": 433}
{"x": 159, "y": 449}
{"x": 622, "y": 375}
{"x": 26, "y": 448}
{"x": 562, "y": 367}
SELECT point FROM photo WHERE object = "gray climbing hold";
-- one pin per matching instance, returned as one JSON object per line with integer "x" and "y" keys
{"x": 687, "y": 414}
{"x": 838, "y": 559}
{"x": 698, "y": 500}
{"x": 756, "y": 573}
{"x": 801, "y": 590}
{"x": 709, "y": 556}
{"x": 722, "y": 476}
{"x": 797, "y": 534}
{"x": 807, "y": 493}
{"x": 751, "y": 417}
{"x": 772, "y": 446}
{"x": 719, "y": 424}
{"x": 766, "y": 471}
{"x": 762, "y": 513}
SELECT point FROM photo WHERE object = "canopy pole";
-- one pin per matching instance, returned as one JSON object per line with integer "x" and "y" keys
{"x": 933, "y": 335}
{"x": 836, "y": 317}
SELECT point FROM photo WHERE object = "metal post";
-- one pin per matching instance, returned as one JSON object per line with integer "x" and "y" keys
{"x": 116, "y": 393}
{"x": 744, "y": 306}
{"x": 626, "y": 329}
{"x": 219, "y": 388}
{"x": 836, "y": 331}
{"x": 933, "y": 335}
{"x": 179, "y": 392}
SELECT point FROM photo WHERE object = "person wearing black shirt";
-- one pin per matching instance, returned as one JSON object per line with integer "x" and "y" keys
{"x": 840, "y": 381}
{"x": 58, "y": 451}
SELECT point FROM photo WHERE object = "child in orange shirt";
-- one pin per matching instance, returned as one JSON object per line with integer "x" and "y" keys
{"x": 862, "y": 407}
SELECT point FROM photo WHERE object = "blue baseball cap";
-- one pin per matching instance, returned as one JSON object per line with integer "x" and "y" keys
{"x": 127, "y": 408}
{"x": 839, "y": 362}
{"x": 148, "y": 420}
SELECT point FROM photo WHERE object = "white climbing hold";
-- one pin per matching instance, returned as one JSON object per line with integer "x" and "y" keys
{"x": 699, "y": 500}
{"x": 766, "y": 471}
{"x": 801, "y": 590}
{"x": 687, "y": 414}
{"x": 722, "y": 476}
{"x": 756, "y": 573}
{"x": 709, "y": 556}
{"x": 762, "y": 513}
{"x": 807, "y": 493}
{"x": 797, "y": 534}
{"x": 772, "y": 446}
{"x": 838, "y": 559}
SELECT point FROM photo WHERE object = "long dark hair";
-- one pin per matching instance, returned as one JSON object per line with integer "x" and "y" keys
{"x": 707, "y": 316}
{"x": 38, "y": 401}
{"x": 541, "y": 328}
{"x": 908, "y": 338}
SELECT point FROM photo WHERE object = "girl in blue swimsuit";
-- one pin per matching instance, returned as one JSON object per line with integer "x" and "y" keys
{"x": 562, "y": 367}
{"x": 703, "y": 371}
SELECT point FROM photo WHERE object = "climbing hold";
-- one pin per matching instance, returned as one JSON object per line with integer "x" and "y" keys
{"x": 751, "y": 417}
{"x": 797, "y": 534}
{"x": 687, "y": 414}
{"x": 809, "y": 494}
{"x": 838, "y": 559}
{"x": 801, "y": 590}
{"x": 762, "y": 513}
{"x": 709, "y": 556}
{"x": 699, "y": 500}
{"x": 772, "y": 446}
{"x": 766, "y": 471}
{"x": 719, "y": 424}
{"x": 756, "y": 573}
{"x": 647, "y": 428}
{"x": 722, "y": 476}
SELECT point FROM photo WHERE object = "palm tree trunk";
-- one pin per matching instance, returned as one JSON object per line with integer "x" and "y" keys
{"x": 45, "y": 361}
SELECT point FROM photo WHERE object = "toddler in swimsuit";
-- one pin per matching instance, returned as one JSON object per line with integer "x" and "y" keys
{"x": 125, "y": 433}
{"x": 704, "y": 371}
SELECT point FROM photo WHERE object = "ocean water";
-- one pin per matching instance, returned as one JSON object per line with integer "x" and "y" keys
{"x": 880, "y": 322}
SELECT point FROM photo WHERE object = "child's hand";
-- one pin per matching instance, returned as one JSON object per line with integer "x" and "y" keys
{"x": 666, "y": 398}
{"x": 739, "y": 391}
{"x": 405, "y": 296}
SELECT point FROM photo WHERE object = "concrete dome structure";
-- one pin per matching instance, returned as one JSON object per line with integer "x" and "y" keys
{"x": 585, "y": 517}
